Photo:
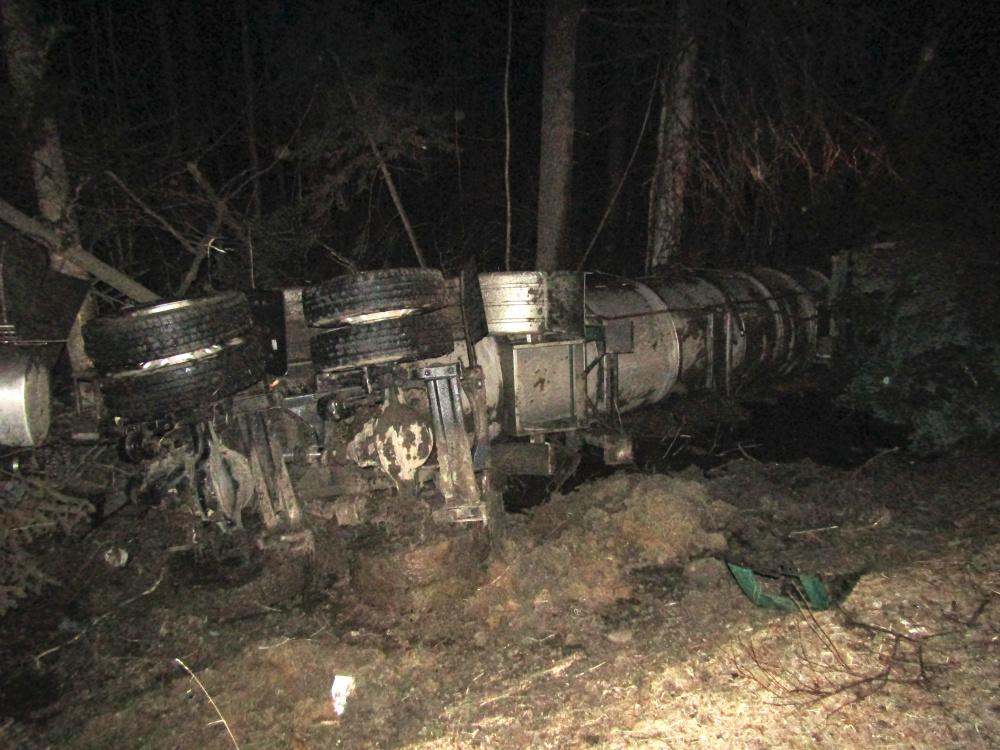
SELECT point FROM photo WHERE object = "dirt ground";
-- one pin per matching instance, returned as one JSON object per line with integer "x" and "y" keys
{"x": 607, "y": 618}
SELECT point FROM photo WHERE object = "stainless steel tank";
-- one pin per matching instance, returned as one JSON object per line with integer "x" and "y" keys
{"x": 25, "y": 400}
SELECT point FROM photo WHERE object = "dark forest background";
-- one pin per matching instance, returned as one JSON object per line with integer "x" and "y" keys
{"x": 243, "y": 130}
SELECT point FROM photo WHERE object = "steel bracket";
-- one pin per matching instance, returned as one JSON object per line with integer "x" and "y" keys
{"x": 456, "y": 461}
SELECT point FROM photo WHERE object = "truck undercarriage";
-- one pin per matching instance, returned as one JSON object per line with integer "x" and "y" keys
{"x": 402, "y": 383}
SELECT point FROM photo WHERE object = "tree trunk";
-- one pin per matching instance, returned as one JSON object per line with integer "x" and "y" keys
{"x": 251, "y": 106}
{"x": 556, "y": 162}
{"x": 26, "y": 66}
{"x": 169, "y": 75}
{"x": 618, "y": 153}
{"x": 673, "y": 146}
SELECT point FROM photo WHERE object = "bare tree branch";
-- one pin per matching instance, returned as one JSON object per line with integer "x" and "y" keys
{"x": 201, "y": 254}
{"x": 221, "y": 207}
{"x": 44, "y": 236}
{"x": 154, "y": 215}
{"x": 386, "y": 175}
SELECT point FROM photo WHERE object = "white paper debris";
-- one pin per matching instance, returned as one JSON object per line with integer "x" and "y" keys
{"x": 343, "y": 686}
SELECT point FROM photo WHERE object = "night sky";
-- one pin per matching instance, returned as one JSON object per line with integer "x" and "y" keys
{"x": 143, "y": 89}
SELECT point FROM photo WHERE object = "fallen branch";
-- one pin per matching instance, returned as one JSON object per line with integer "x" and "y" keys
{"x": 343, "y": 260}
{"x": 42, "y": 235}
{"x": 202, "y": 253}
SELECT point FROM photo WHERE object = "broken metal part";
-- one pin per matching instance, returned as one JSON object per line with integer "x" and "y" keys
{"x": 227, "y": 481}
{"x": 457, "y": 480}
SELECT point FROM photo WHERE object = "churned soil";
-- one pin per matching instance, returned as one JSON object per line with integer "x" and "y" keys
{"x": 605, "y": 617}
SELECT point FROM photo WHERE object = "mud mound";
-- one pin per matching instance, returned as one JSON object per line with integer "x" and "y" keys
{"x": 578, "y": 551}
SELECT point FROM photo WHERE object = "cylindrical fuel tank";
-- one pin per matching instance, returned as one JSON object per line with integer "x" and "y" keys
{"x": 650, "y": 371}
{"x": 712, "y": 329}
{"x": 24, "y": 399}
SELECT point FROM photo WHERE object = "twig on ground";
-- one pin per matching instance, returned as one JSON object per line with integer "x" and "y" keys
{"x": 674, "y": 442}
{"x": 874, "y": 458}
{"x": 554, "y": 670}
{"x": 834, "y": 673}
{"x": 212, "y": 701}
{"x": 812, "y": 531}
{"x": 96, "y": 620}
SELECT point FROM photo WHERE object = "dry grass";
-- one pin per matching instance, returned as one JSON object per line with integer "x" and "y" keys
{"x": 910, "y": 663}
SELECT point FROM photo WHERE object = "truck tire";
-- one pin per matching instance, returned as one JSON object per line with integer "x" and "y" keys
{"x": 164, "y": 329}
{"x": 186, "y": 386}
{"x": 403, "y": 339}
{"x": 372, "y": 296}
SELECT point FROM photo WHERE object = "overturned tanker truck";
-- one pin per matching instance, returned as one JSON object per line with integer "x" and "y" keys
{"x": 346, "y": 394}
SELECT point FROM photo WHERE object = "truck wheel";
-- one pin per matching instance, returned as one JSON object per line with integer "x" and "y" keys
{"x": 186, "y": 385}
{"x": 164, "y": 329}
{"x": 394, "y": 340}
{"x": 373, "y": 296}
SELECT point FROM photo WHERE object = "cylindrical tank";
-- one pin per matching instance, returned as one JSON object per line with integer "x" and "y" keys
{"x": 713, "y": 329}
{"x": 650, "y": 371}
{"x": 24, "y": 399}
